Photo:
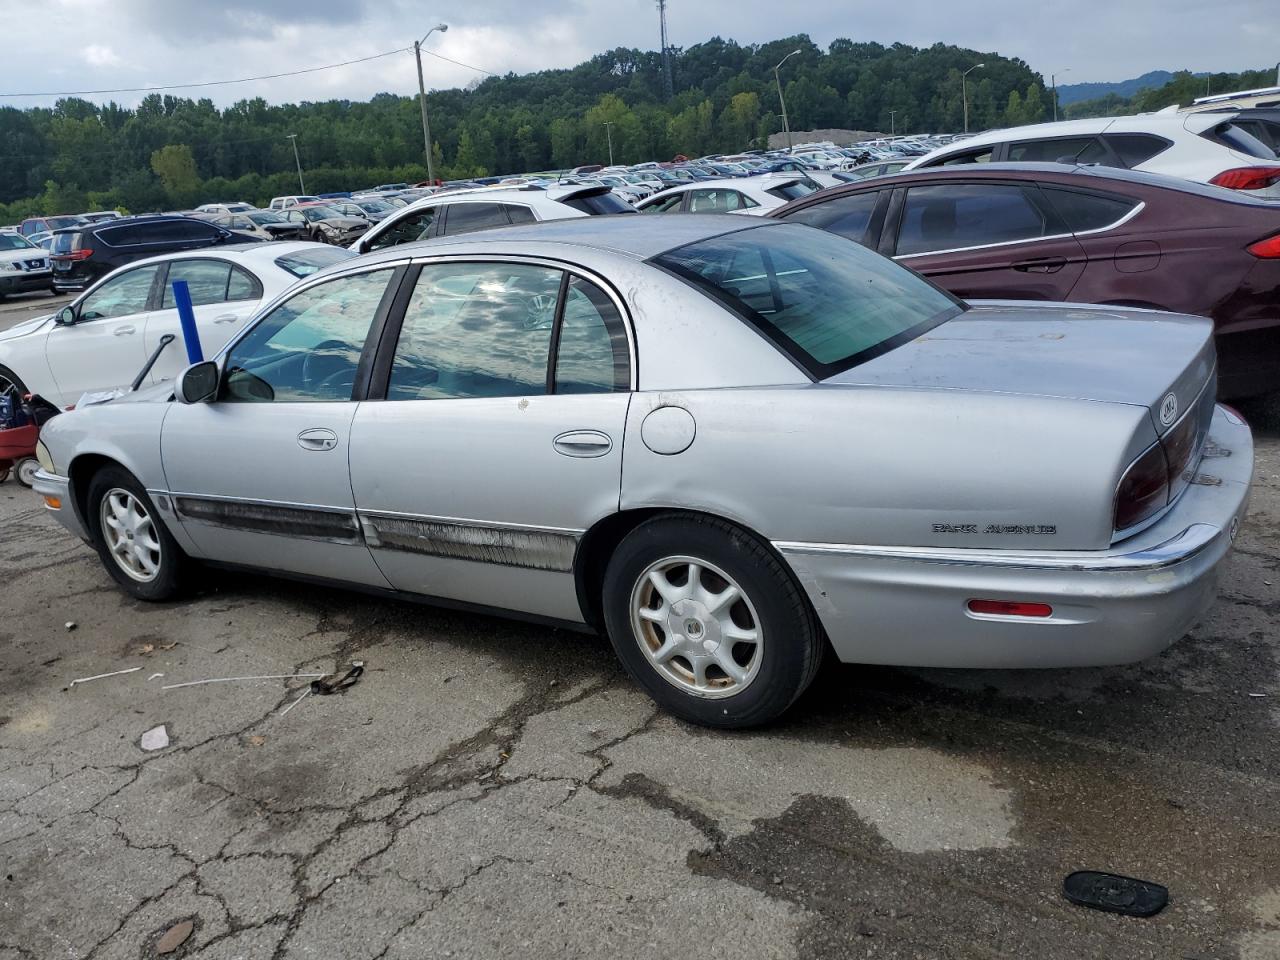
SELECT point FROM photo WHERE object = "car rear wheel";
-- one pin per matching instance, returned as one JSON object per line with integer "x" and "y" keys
{"x": 132, "y": 541}
{"x": 709, "y": 621}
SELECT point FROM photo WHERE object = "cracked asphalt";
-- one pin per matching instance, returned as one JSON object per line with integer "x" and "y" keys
{"x": 491, "y": 789}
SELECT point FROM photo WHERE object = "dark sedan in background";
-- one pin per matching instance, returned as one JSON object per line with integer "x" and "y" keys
{"x": 1031, "y": 231}
{"x": 80, "y": 255}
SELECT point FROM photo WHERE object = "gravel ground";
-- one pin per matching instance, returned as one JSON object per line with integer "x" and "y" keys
{"x": 490, "y": 789}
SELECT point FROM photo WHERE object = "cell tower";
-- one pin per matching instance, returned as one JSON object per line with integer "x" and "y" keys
{"x": 666, "y": 49}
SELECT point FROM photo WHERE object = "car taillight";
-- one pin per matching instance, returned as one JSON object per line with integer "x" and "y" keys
{"x": 1247, "y": 178}
{"x": 1268, "y": 249}
{"x": 1180, "y": 446}
{"x": 73, "y": 255}
{"x": 1144, "y": 488}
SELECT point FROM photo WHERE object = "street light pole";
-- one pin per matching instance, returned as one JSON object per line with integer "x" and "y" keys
{"x": 781, "y": 99}
{"x": 608, "y": 124}
{"x": 302, "y": 187}
{"x": 422, "y": 99}
{"x": 964, "y": 93}
{"x": 893, "y": 130}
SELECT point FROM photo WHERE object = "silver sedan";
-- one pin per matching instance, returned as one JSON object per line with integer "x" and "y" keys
{"x": 727, "y": 443}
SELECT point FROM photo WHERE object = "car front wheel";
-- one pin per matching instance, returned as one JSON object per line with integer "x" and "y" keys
{"x": 132, "y": 541}
{"x": 708, "y": 619}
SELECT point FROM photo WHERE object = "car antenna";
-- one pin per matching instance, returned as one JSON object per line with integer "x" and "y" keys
{"x": 167, "y": 339}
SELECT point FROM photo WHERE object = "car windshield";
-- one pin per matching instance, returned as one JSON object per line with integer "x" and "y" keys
{"x": 827, "y": 303}
{"x": 318, "y": 213}
{"x": 11, "y": 241}
{"x": 57, "y": 223}
{"x": 375, "y": 206}
{"x": 303, "y": 263}
{"x": 266, "y": 216}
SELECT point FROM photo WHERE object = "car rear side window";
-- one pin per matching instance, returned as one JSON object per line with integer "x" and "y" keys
{"x": 1240, "y": 140}
{"x": 718, "y": 200}
{"x": 1084, "y": 211}
{"x": 1136, "y": 148}
{"x": 979, "y": 155}
{"x": 959, "y": 215}
{"x": 826, "y": 303}
{"x": 848, "y": 216}
{"x": 470, "y": 217}
{"x": 595, "y": 204}
{"x": 518, "y": 213}
{"x": 476, "y": 330}
{"x": 1060, "y": 150}
{"x": 592, "y": 355}
{"x": 210, "y": 281}
{"x": 308, "y": 348}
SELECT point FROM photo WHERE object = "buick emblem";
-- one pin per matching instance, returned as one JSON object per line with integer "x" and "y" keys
{"x": 1169, "y": 409}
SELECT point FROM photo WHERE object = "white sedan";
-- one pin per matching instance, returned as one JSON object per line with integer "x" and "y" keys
{"x": 753, "y": 196}
{"x": 101, "y": 341}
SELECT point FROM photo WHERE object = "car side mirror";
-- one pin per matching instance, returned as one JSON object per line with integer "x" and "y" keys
{"x": 65, "y": 317}
{"x": 198, "y": 383}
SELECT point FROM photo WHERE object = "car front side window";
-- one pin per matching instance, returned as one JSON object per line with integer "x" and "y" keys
{"x": 308, "y": 349}
{"x": 957, "y": 216}
{"x": 406, "y": 229}
{"x": 848, "y": 215}
{"x": 120, "y": 296}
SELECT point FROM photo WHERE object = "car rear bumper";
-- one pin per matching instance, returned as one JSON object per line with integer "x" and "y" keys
{"x": 908, "y": 605}
{"x": 57, "y": 490}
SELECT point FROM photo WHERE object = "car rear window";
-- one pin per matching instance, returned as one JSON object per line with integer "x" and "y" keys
{"x": 599, "y": 203}
{"x": 63, "y": 242}
{"x": 303, "y": 263}
{"x": 827, "y": 303}
{"x": 1240, "y": 140}
{"x": 1087, "y": 211}
{"x": 794, "y": 190}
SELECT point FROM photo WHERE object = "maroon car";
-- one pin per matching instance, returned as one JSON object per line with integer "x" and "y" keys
{"x": 1032, "y": 231}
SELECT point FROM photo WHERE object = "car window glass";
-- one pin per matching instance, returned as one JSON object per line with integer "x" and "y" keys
{"x": 243, "y": 285}
{"x": 406, "y": 229}
{"x": 980, "y": 155}
{"x": 1242, "y": 141}
{"x": 520, "y": 213}
{"x": 1061, "y": 149}
{"x": 206, "y": 280}
{"x": 1087, "y": 211}
{"x": 1136, "y": 148}
{"x": 476, "y": 330}
{"x": 849, "y": 216}
{"x": 666, "y": 205}
{"x": 308, "y": 348}
{"x": 470, "y": 217}
{"x": 120, "y": 296}
{"x": 966, "y": 215}
{"x": 592, "y": 356}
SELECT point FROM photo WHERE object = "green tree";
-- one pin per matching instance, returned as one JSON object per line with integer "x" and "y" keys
{"x": 176, "y": 167}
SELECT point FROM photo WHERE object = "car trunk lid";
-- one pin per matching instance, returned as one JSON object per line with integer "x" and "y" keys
{"x": 1157, "y": 360}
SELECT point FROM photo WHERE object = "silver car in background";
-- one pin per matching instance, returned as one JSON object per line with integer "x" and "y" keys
{"x": 727, "y": 442}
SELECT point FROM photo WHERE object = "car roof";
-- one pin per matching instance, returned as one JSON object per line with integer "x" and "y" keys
{"x": 637, "y": 238}
{"x": 1138, "y": 123}
{"x": 250, "y": 254}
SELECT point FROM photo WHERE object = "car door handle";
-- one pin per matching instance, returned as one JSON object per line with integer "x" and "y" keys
{"x": 317, "y": 438}
{"x": 1043, "y": 265}
{"x": 583, "y": 443}
{"x": 227, "y": 318}
{"x": 125, "y": 331}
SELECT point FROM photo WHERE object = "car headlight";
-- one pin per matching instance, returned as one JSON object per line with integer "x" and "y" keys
{"x": 328, "y": 228}
{"x": 8, "y": 266}
{"x": 45, "y": 459}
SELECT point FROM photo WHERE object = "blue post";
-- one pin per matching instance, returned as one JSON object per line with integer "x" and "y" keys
{"x": 187, "y": 316}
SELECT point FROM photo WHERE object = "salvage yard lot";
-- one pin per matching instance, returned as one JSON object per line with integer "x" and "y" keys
{"x": 492, "y": 789}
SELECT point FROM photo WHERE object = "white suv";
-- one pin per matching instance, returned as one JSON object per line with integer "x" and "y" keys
{"x": 465, "y": 211}
{"x": 1206, "y": 147}
{"x": 284, "y": 203}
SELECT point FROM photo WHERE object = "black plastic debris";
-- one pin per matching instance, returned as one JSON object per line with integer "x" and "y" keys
{"x": 326, "y": 687}
{"x": 1115, "y": 894}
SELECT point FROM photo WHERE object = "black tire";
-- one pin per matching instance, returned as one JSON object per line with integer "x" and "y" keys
{"x": 7, "y": 377}
{"x": 792, "y": 646}
{"x": 25, "y": 470}
{"x": 172, "y": 565}
{"x": 4, "y": 472}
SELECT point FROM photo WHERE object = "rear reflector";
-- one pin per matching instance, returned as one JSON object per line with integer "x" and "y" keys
{"x": 1247, "y": 178}
{"x": 1010, "y": 608}
{"x": 1268, "y": 249}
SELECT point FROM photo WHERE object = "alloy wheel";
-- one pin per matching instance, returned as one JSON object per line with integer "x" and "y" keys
{"x": 130, "y": 534}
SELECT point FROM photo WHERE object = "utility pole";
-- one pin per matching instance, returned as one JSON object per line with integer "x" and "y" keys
{"x": 302, "y": 187}
{"x": 422, "y": 100}
{"x": 608, "y": 125}
{"x": 1053, "y": 82}
{"x": 893, "y": 130}
{"x": 964, "y": 93}
{"x": 782, "y": 99}
{"x": 666, "y": 49}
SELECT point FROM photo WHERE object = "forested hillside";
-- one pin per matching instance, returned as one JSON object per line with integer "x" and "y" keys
{"x": 173, "y": 152}
{"x": 1182, "y": 88}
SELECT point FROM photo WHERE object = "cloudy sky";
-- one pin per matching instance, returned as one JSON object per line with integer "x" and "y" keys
{"x": 68, "y": 45}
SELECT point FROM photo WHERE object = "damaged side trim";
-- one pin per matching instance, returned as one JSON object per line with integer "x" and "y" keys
{"x": 535, "y": 548}
{"x": 305, "y": 522}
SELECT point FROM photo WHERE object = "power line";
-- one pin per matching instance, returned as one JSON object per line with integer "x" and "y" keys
{"x": 221, "y": 83}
